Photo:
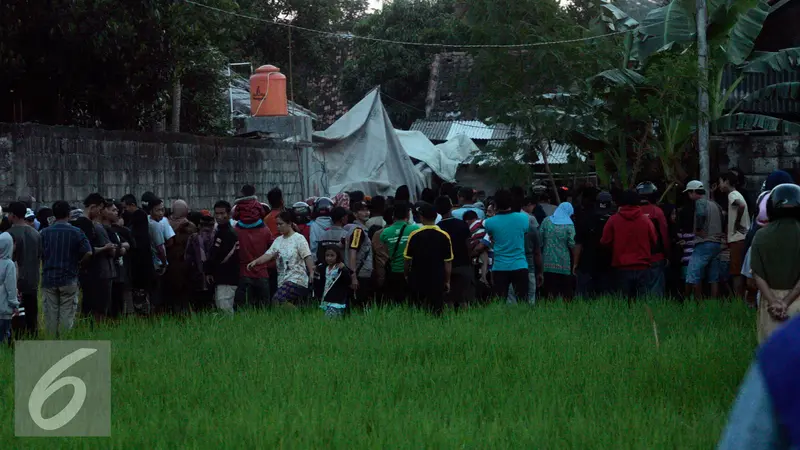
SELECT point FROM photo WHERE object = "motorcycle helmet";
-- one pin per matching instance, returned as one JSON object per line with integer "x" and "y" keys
{"x": 784, "y": 201}
{"x": 301, "y": 212}
{"x": 323, "y": 207}
{"x": 647, "y": 191}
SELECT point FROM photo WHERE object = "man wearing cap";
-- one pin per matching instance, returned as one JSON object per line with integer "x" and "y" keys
{"x": 28, "y": 254}
{"x": 359, "y": 255}
{"x": 428, "y": 262}
{"x": 709, "y": 235}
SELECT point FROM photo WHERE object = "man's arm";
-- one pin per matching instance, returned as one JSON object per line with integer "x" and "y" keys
{"x": 448, "y": 270}
{"x": 740, "y": 207}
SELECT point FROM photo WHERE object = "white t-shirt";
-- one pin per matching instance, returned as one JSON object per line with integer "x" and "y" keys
{"x": 733, "y": 210}
{"x": 292, "y": 253}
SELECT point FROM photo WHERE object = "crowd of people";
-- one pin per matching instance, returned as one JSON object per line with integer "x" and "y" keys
{"x": 452, "y": 248}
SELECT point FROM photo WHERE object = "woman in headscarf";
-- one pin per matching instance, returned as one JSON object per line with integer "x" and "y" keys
{"x": 176, "y": 277}
{"x": 558, "y": 248}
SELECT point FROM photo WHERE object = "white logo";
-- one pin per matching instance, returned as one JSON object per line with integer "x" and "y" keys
{"x": 49, "y": 383}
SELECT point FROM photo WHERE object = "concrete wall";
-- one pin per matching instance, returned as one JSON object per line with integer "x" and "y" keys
{"x": 54, "y": 163}
{"x": 758, "y": 156}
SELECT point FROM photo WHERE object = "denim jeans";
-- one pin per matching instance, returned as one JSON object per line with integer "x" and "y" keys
{"x": 704, "y": 261}
{"x": 657, "y": 283}
{"x": 253, "y": 292}
{"x": 633, "y": 283}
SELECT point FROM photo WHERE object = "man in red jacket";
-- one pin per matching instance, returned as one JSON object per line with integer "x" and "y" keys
{"x": 254, "y": 240}
{"x": 631, "y": 236}
{"x": 648, "y": 193}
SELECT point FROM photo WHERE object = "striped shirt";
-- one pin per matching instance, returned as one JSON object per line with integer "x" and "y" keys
{"x": 63, "y": 246}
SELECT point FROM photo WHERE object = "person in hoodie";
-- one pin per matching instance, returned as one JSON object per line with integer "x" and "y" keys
{"x": 322, "y": 222}
{"x": 8, "y": 293}
{"x": 332, "y": 283}
{"x": 631, "y": 236}
{"x": 336, "y": 234}
{"x": 254, "y": 240}
{"x": 223, "y": 259}
{"x": 648, "y": 194}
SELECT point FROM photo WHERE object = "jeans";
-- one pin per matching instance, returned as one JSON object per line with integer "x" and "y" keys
{"x": 658, "y": 275}
{"x": 253, "y": 292}
{"x": 633, "y": 283}
{"x": 504, "y": 278}
{"x": 60, "y": 305}
{"x": 512, "y": 296}
{"x": 705, "y": 259}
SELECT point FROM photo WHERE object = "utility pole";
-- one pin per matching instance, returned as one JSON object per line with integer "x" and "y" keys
{"x": 702, "y": 94}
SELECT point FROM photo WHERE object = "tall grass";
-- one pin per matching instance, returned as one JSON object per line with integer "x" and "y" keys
{"x": 576, "y": 376}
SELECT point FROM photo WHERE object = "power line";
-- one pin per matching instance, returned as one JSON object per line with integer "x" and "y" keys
{"x": 414, "y": 44}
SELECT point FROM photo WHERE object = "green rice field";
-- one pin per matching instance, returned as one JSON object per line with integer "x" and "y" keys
{"x": 574, "y": 376}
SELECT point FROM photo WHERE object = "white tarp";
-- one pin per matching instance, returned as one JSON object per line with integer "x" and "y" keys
{"x": 361, "y": 151}
{"x": 443, "y": 158}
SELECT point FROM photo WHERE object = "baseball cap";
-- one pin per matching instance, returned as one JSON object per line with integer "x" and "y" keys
{"x": 694, "y": 185}
{"x": 29, "y": 214}
{"x": 359, "y": 206}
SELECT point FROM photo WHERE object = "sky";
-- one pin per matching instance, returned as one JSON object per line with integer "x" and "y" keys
{"x": 375, "y": 4}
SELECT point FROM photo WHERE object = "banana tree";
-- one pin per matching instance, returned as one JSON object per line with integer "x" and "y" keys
{"x": 733, "y": 27}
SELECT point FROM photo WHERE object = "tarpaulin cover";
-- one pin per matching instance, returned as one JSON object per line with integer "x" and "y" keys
{"x": 443, "y": 158}
{"x": 361, "y": 151}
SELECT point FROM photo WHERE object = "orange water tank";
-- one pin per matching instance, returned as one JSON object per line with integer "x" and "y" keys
{"x": 268, "y": 92}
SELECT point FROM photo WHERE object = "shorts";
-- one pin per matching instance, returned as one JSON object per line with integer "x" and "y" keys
{"x": 737, "y": 257}
{"x": 704, "y": 265}
{"x": 290, "y": 292}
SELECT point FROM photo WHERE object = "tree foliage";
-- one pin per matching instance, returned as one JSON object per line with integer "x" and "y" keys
{"x": 102, "y": 63}
{"x": 402, "y": 71}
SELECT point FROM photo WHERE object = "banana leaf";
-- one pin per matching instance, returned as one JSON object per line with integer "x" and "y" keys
{"x": 786, "y": 90}
{"x": 781, "y": 61}
{"x": 620, "y": 77}
{"x": 664, "y": 27}
{"x": 749, "y": 122}
{"x": 746, "y": 29}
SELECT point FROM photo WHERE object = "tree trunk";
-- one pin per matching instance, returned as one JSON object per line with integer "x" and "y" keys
{"x": 702, "y": 126}
{"x": 550, "y": 172}
{"x": 175, "y": 122}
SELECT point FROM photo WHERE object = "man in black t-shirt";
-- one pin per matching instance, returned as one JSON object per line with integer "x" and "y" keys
{"x": 463, "y": 276}
{"x": 428, "y": 261}
{"x": 593, "y": 260}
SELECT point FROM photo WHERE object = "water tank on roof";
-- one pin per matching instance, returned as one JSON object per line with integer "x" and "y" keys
{"x": 268, "y": 92}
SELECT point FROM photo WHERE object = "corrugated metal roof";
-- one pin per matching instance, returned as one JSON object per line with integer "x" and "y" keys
{"x": 443, "y": 130}
{"x": 493, "y": 135}
{"x": 755, "y": 81}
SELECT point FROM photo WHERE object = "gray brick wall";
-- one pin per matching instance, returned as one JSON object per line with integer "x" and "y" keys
{"x": 54, "y": 163}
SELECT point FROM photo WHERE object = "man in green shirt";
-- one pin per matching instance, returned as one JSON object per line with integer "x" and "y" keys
{"x": 395, "y": 237}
